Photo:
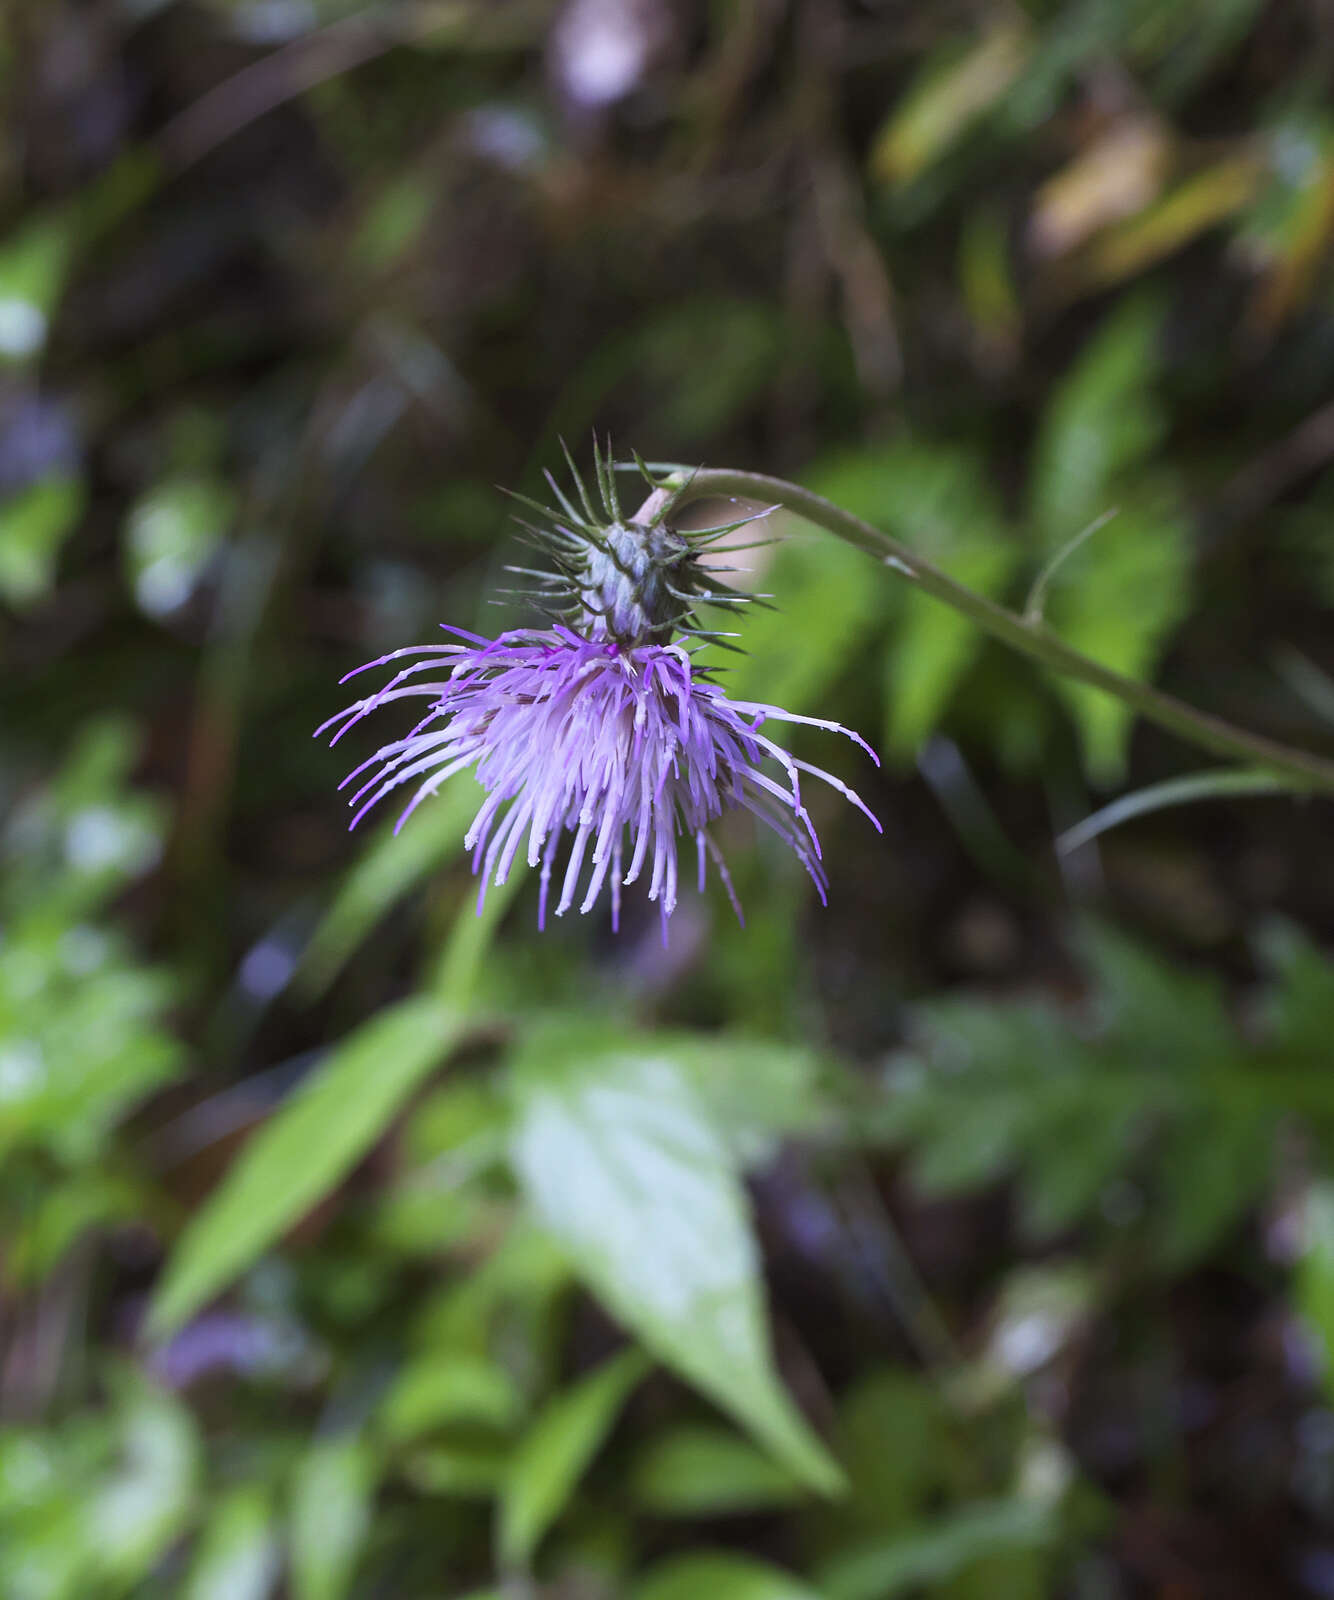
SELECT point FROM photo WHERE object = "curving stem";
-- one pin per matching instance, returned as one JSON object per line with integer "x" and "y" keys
{"x": 1030, "y": 636}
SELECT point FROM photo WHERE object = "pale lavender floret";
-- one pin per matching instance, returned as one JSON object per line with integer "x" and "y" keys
{"x": 592, "y": 738}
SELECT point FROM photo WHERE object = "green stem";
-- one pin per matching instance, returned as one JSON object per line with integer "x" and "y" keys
{"x": 1030, "y": 637}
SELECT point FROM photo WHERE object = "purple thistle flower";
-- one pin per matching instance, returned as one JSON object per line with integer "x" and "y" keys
{"x": 627, "y": 749}
{"x": 609, "y": 733}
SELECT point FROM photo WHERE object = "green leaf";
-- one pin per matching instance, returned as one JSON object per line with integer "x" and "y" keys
{"x": 1102, "y": 420}
{"x": 936, "y": 500}
{"x": 720, "y": 1577}
{"x": 754, "y": 1091}
{"x": 1118, "y": 595}
{"x": 889, "y": 1487}
{"x": 447, "y": 1387}
{"x": 1314, "y": 1284}
{"x": 1117, "y": 600}
{"x": 171, "y": 535}
{"x": 392, "y": 866}
{"x": 829, "y": 596}
{"x": 303, "y": 1151}
{"x": 620, "y": 1161}
{"x": 470, "y": 1472}
{"x": 701, "y": 1470}
{"x": 33, "y": 267}
{"x": 33, "y": 525}
{"x": 238, "y": 1555}
{"x": 331, "y": 1517}
{"x": 1221, "y": 785}
{"x": 557, "y": 1450}
{"x": 936, "y": 1552}
{"x": 949, "y": 96}
{"x": 135, "y": 1517}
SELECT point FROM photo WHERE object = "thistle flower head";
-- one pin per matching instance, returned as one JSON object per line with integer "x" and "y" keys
{"x": 599, "y": 732}
{"x": 620, "y": 579}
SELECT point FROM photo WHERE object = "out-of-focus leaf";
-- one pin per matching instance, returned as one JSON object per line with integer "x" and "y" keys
{"x": 1102, "y": 420}
{"x": 1038, "y": 1311}
{"x": 700, "y": 360}
{"x": 135, "y": 1517}
{"x": 392, "y": 866}
{"x": 938, "y": 1550}
{"x": 444, "y": 1387}
{"x": 330, "y": 1518}
{"x": 84, "y": 1200}
{"x": 699, "y": 1470}
{"x": 171, "y": 535}
{"x": 1226, "y": 784}
{"x": 466, "y": 1471}
{"x": 710, "y": 357}
{"x": 945, "y": 102}
{"x": 33, "y": 266}
{"x": 303, "y": 1151}
{"x": 1118, "y": 600}
{"x": 1159, "y": 1092}
{"x": 393, "y": 224}
{"x": 721, "y": 1577}
{"x": 526, "y": 1273}
{"x": 829, "y": 597}
{"x": 1184, "y": 41}
{"x": 556, "y": 1451}
{"x": 935, "y": 500}
{"x": 987, "y": 279}
{"x": 1195, "y": 205}
{"x": 619, "y": 1159}
{"x": 891, "y": 1490}
{"x": 1302, "y": 1001}
{"x": 33, "y": 525}
{"x": 238, "y": 1555}
{"x": 754, "y": 1091}
{"x": 1286, "y": 232}
{"x": 1314, "y": 1283}
{"x": 1115, "y": 177}
{"x": 1117, "y": 596}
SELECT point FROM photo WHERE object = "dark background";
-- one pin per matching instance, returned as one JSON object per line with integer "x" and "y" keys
{"x": 1035, "y": 1144}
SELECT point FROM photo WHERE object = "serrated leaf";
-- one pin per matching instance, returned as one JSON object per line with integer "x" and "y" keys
{"x": 1150, "y": 1083}
{"x": 620, "y": 1161}
{"x": 720, "y": 1577}
{"x": 935, "y": 500}
{"x": 1119, "y": 594}
{"x": 1102, "y": 419}
{"x": 331, "y": 1517}
{"x": 304, "y": 1149}
{"x": 1117, "y": 600}
{"x": 556, "y": 1452}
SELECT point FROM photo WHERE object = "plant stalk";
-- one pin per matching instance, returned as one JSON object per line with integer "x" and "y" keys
{"x": 1031, "y": 637}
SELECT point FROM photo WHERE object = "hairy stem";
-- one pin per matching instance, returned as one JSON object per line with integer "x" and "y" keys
{"x": 1029, "y": 636}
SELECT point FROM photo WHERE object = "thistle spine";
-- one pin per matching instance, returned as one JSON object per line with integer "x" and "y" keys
{"x": 618, "y": 580}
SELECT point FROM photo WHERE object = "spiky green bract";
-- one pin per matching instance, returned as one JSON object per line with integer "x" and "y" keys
{"x": 619, "y": 580}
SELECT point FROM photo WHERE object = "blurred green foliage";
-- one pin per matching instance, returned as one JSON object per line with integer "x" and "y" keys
{"x": 970, "y": 1239}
